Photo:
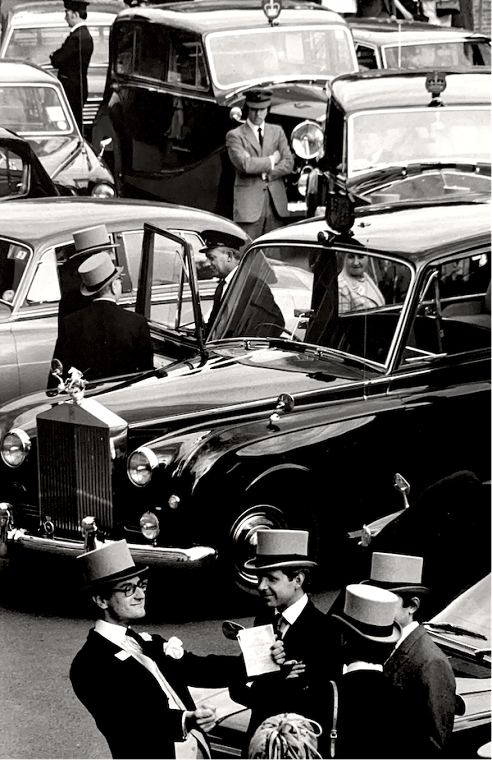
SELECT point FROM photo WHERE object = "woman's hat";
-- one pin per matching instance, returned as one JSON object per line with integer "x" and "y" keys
{"x": 92, "y": 240}
{"x": 97, "y": 272}
{"x": 400, "y": 573}
{"x": 280, "y": 548}
{"x": 258, "y": 97}
{"x": 108, "y": 564}
{"x": 370, "y": 612}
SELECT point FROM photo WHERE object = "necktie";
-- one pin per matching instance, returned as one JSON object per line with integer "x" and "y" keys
{"x": 216, "y": 305}
{"x": 147, "y": 647}
{"x": 280, "y": 625}
{"x": 260, "y": 136}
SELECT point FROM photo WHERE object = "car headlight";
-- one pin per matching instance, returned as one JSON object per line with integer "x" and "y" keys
{"x": 149, "y": 525}
{"x": 307, "y": 140}
{"x": 103, "y": 190}
{"x": 15, "y": 447}
{"x": 141, "y": 465}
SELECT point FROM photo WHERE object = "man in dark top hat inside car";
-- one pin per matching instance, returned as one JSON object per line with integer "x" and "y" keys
{"x": 261, "y": 157}
{"x": 135, "y": 685}
{"x": 103, "y": 339}
{"x": 73, "y": 58}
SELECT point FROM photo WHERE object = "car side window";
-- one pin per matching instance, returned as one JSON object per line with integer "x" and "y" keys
{"x": 14, "y": 174}
{"x": 45, "y": 287}
{"x": 186, "y": 62}
{"x": 366, "y": 57}
{"x": 13, "y": 266}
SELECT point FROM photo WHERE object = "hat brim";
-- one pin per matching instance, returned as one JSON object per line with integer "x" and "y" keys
{"x": 86, "y": 292}
{"x": 259, "y": 106}
{"x": 403, "y": 588}
{"x": 122, "y": 575}
{"x": 391, "y": 638}
{"x": 94, "y": 249}
{"x": 257, "y": 566}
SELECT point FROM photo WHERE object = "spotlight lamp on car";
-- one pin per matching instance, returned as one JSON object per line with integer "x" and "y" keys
{"x": 15, "y": 447}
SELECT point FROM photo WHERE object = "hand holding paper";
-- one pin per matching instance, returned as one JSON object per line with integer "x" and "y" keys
{"x": 257, "y": 645}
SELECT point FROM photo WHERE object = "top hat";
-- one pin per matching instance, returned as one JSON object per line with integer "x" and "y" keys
{"x": 280, "y": 548}
{"x": 370, "y": 612}
{"x": 92, "y": 240}
{"x": 400, "y": 573}
{"x": 258, "y": 97}
{"x": 97, "y": 272}
{"x": 108, "y": 564}
{"x": 215, "y": 239}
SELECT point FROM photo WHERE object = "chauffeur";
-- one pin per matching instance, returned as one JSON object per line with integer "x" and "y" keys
{"x": 261, "y": 158}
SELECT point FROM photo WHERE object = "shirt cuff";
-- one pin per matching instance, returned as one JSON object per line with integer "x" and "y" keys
{"x": 272, "y": 161}
{"x": 186, "y": 714}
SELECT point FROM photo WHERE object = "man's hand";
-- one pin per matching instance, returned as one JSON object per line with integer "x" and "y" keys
{"x": 293, "y": 669}
{"x": 204, "y": 718}
{"x": 278, "y": 652}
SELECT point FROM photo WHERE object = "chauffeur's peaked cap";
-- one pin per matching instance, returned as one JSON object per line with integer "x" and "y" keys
{"x": 258, "y": 97}
{"x": 215, "y": 239}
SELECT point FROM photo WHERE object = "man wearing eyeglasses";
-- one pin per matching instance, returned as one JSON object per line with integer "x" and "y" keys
{"x": 119, "y": 673}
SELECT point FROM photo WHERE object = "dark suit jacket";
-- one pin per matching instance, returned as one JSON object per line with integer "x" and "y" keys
{"x": 126, "y": 701}
{"x": 425, "y": 694}
{"x": 72, "y": 61}
{"x": 316, "y": 641}
{"x": 104, "y": 340}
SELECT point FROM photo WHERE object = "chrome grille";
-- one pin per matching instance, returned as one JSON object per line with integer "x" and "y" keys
{"x": 75, "y": 468}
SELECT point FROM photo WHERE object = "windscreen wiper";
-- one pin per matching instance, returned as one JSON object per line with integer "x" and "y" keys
{"x": 452, "y": 628}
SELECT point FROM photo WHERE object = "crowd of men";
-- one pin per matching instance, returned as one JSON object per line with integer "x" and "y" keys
{"x": 364, "y": 680}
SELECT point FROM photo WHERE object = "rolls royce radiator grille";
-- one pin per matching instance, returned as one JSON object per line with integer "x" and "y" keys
{"x": 75, "y": 465}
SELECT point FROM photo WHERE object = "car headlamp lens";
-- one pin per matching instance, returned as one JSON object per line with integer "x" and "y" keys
{"x": 103, "y": 190}
{"x": 141, "y": 465}
{"x": 15, "y": 447}
{"x": 307, "y": 140}
{"x": 149, "y": 525}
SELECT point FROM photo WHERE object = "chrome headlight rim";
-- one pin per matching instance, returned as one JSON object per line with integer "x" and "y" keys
{"x": 297, "y": 139}
{"x": 148, "y": 460}
{"x": 103, "y": 190}
{"x": 149, "y": 525}
{"x": 24, "y": 446}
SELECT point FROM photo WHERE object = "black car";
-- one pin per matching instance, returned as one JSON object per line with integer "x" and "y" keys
{"x": 296, "y": 411}
{"x": 177, "y": 76}
{"x": 21, "y": 173}
{"x": 396, "y": 135}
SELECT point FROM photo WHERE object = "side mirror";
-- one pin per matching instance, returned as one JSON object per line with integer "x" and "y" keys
{"x": 230, "y": 629}
{"x": 236, "y": 114}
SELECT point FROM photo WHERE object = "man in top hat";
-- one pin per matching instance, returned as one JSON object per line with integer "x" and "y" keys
{"x": 258, "y": 310}
{"x": 136, "y": 685}
{"x": 261, "y": 158}
{"x": 72, "y": 59}
{"x": 311, "y": 646}
{"x": 369, "y": 632}
{"x": 102, "y": 340}
{"x": 423, "y": 680}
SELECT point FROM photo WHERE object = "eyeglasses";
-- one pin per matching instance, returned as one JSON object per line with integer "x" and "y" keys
{"x": 130, "y": 588}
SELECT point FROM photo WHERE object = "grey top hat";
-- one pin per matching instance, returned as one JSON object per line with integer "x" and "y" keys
{"x": 401, "y": 573}
{"x": 280, "y": 548}
{"x": 97, "y": 271}
{"x": 370, "y": 612}
{"x": 91, "y": 240}
{"x": 108, "y": 564}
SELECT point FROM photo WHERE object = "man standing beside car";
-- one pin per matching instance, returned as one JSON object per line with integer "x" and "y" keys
{"x": 261, "y": 158}
{"x": 72, "y": 59}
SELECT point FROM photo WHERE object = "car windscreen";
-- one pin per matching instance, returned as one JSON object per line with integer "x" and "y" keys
{"x": 13, "y": 263}
{"x": 432, "y": 55}
{"x": 449, "y": 134}
{"x": 239, "y": 57}
{"x": 32, "y": 109}
{"x": 35, "y": 44}
{"x": 349, "y": 302}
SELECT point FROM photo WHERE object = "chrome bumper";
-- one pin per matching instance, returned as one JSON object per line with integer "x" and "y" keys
{"x": 157, "y": 556}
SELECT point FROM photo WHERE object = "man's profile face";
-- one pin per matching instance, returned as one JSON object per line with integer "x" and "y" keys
{"x": 121, "y": 609}
{"x": 222, "y": 262}
{"x": 257, "y": 115}
{"x": 277, "y": 590}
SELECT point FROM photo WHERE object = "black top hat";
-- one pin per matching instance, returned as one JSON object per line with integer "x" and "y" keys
{"x": 215, "y": 239}
{"x": 258, "y": 97}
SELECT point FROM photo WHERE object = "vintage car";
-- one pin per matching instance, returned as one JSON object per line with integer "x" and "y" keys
{"x": 462, "y": 630}
{"x": 33, "y": 104}
{"x": 285, "y": 416}
{"x": 21, "y": 173}
{"x": 384, "y": 44}
{"x": 178, "y": 73}
{"x": 33, "y": 30}
{"x": 392, "y": 136}
{"x": 35, "y": 244}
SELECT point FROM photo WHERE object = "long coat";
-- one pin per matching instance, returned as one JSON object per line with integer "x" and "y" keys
{"x": 126, "y": 701}
{"x": 72, "y": 61}
{"x": 104, "y": 340}
{"x": 424, "y": 694}
{"x": 250, "y": 162}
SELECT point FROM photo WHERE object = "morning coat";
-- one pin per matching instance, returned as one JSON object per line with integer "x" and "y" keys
{"x": 72, "y": 61}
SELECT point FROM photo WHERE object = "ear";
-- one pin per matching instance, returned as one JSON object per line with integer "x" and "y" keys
{"x": 415, "y": 604}
{"x": 100, "y": 601}
{"x": 300, "y": 578}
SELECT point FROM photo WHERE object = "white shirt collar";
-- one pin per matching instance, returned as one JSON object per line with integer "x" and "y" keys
{"x": 361, "y": 665}
{"x": 80, "y": 23}
{"x": 256, "y": 127}
{"x": 111, "y": 631}
{"x": 406, "y": 632}
{"x": 292, "y": 613}
{"x": 227, "y": 280}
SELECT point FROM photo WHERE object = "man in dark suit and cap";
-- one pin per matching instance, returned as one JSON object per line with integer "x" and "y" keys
{"x": 424, "y": 686}
{"x": 135, "y": 685}
{"x": 261, "y": 158}
{"x": 73, "y": 58}
{"x": 103, "y": 339}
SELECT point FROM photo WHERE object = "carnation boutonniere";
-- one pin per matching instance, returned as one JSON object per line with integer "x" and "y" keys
{"x": 174, "y": 648}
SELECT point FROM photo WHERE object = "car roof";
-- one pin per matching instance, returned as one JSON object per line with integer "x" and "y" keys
{"x": 48, "y": 17}
{"x": 40, "y": 220}
{"x": 202, "y": 16}
{"x": 386, "y": 32}
{"x": 17, "y": 71}
{"x": 414, "y": 231}
{"x": 386, "y": 88}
